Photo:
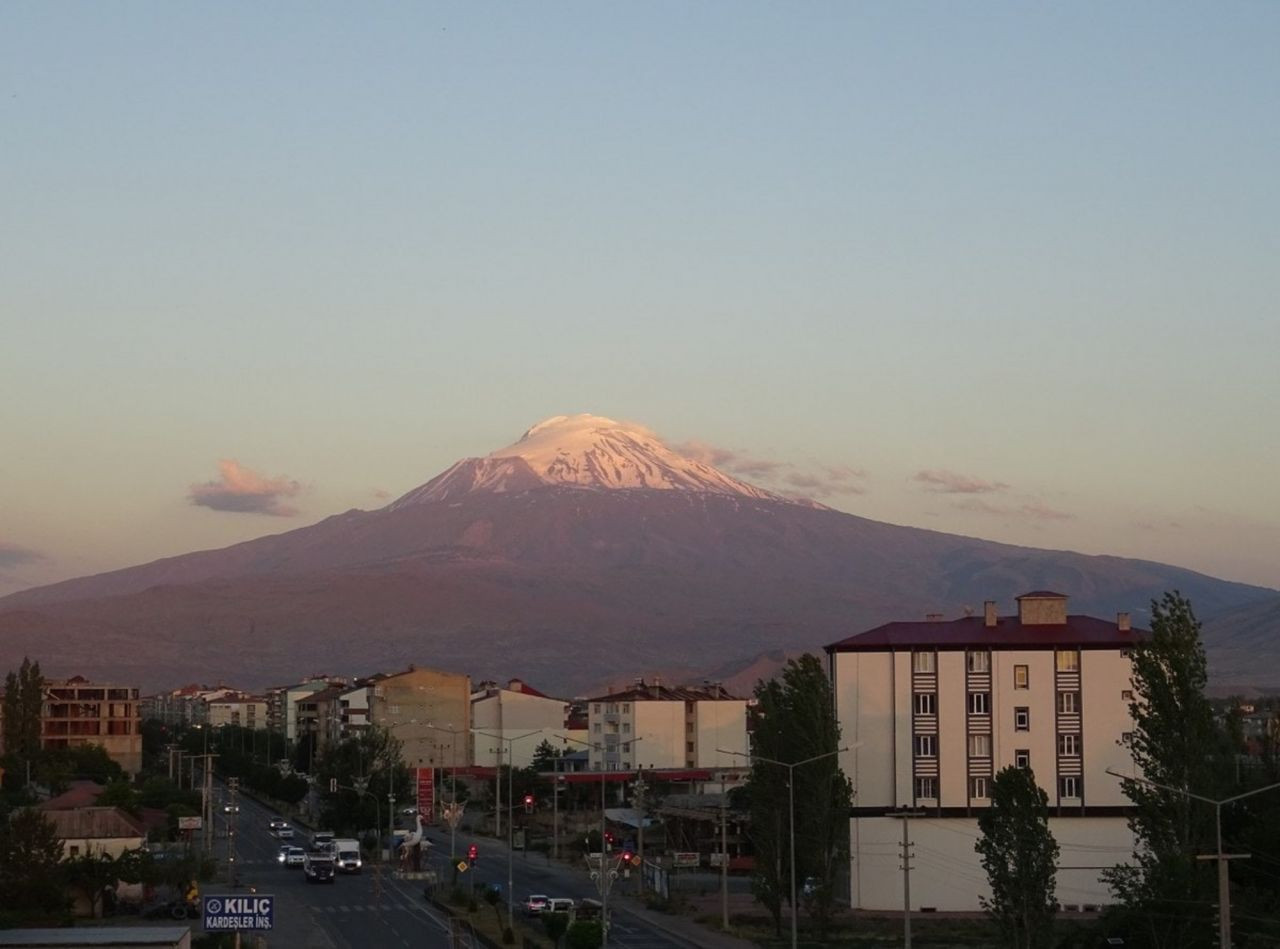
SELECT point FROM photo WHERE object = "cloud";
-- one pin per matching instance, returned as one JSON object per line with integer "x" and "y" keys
{"x": 1034, "y": 510}
{"x": 736, "y": 462}
{"x": 11, "y": 555}
{"x": 244, "y": 491}
{"x": 941, "y": 481}
{"x": 828, "y": 480}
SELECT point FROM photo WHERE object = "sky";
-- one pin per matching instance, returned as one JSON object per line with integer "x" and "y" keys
{"x": 1000, "y": 269}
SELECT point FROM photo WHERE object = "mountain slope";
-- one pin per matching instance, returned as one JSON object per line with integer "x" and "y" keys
{"x": 591, "y": 553}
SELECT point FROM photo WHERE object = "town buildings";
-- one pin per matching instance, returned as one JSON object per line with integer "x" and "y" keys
{"x": 932, "y": 710}
{"x": 519, "y": 715}
{"x": 429, "y": 711}
{"x": 78, "y": 712}
{"x": 654, "y": 726}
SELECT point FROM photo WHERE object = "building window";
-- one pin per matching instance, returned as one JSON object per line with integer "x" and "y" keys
{"x": 927, "y": 788}
{"x": 1069, "y": 746}
{"x": 73, "y": 850}
{"x": 596, "y": 728}
{"x": 1068, "y": 660}
{"x": 1022, "y": 758}
{"x": 1069, "y": 786}
{"x": 626, "y": 746}
{"x": 978, "y": 787}
{"x": 1021, "y": 677}
{"x": 1022, "y": 719}
{"x": 979, "y": 746}
{"x": 922, "y": 662}
{"x": 926, "y": 746}
{"x": 626, "y": 766}
{"x": 626, "y": 708}
{"x": 1126, "y": 653}
{"x": 596, "y": 708}
{"x": 688, "y": 746}
{"x": 979, "y": 661}
{"x": 1126, "y": 695}
{"x": 980, "y": 703}
{"x": 1068, "y": 703}
{"x": 925, "y": 704}
{"x": 626, "y": 728}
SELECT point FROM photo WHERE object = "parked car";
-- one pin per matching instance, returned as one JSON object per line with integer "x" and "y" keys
{"x": 559, "y": 905}
{"x": 291, "y": 856}
{"x": 535, "y": 904}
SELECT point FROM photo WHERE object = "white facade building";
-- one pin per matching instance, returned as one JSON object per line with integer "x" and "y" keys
{"x": 932, "y": 710}
{"x": 654, "y": 726}
{"x": 507, "y": 716}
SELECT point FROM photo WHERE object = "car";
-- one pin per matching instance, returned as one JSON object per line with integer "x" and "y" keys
{"x": 231, "y": 808}
{"x": 410, "y": 812}
{"x": 559, "y": 905}
{"x": 277, "y": 823}
{"x": 285, "y": 833}
{"x": 319, "y": 868}
{"x": 292, "y": 856}
{"x": 535, "y": 904}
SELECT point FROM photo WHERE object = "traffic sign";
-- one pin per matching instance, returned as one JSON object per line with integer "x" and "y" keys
{"x": 462, "y": 866}
{"x": 254, "y": 913}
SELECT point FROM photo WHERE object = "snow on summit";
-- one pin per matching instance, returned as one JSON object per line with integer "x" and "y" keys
{"x": 585, "y": 451}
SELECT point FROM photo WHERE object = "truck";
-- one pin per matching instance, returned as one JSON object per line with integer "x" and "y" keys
{"x": 322, "y": 840}
{"x": 319, "y": 867}
{"x": 347, "y": 854}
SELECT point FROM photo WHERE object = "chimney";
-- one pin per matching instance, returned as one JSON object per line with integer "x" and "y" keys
{"x": 1122, "y": 622}
{"x": 933, "y": 617}
{"x": 989, "y": 614}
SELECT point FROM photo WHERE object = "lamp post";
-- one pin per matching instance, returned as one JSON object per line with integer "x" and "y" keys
{"x": 510, "y": 812}
{"x": 1224, "y": 888}
{"x": 791, "y": 808}
{"x": 605, "y": 878}
{"x": 454, "y": 814}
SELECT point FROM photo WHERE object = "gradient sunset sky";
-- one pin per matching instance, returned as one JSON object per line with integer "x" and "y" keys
{"x": 1001, "y": 269}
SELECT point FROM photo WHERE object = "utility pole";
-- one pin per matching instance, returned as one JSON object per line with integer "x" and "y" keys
{"x": 233, "y": 789}
{"x": 640, "y": 788}
{"x": 906, "y": 856}
{"x": 724, "y": 856}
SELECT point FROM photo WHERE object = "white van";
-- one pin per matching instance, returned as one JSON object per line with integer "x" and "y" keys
{"x": 347, "y": 853}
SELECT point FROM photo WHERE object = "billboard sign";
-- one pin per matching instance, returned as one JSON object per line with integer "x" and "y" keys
{"x": 190, "y": 823}
{"x": 232, "y": 913}
{"x": 427, "y": 794}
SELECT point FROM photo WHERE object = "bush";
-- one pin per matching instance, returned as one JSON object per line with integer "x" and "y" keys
{"x": 584, "y": 935}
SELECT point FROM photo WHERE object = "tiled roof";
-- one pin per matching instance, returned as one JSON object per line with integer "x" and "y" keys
{"x": 79, "y": 794}
{"x": 94, "y": 823}
{"x": 1009, "y": 632}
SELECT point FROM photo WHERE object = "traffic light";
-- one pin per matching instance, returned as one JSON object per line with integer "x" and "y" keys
{"x": 472, "y": 852}
{"x": 627, "y": 858}
{"x": 608, "y": 841}
{"x": 528, "y": 803}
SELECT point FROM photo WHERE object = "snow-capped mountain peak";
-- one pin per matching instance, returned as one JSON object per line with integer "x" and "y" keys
{"x": 582, "y": 451}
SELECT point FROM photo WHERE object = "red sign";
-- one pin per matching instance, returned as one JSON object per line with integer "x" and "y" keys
{"x": 427, "y": 794}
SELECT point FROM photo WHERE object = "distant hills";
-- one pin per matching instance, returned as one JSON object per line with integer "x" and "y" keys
{"x": 585, "y": 553}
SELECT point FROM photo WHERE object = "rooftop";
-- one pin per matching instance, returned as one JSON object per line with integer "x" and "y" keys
{"x": 656, "y": 692}
{"x": 1087, "y": 632}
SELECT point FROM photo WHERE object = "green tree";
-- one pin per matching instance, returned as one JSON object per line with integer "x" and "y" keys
{"x": 545, "y": 756}
{"x": 1177, "y": 743}
{"x": 1020, "y": 856}
{"x": 584, "y": 934}
{"x": 91, "y": 874}
{"x": 123, "y": 795}
{"x": 795, "y": 721}
{"x": 555, "y": 924}
{"x": 31, "y": 877}
{"x": 23, "y": 698}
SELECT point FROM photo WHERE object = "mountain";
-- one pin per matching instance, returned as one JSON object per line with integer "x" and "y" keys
{"x": 1241, "y": 645}
{"x": 587, "y": 551}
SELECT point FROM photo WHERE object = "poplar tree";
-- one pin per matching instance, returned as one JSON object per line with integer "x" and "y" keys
{"x": 1020, "y": 856}
{"x": 1177, "y": 743}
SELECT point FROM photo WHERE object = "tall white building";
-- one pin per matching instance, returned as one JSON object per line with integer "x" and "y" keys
{"x": 656, "y": 726}
{"x": 931, "y": 710}
{"x": 510, "y": 723}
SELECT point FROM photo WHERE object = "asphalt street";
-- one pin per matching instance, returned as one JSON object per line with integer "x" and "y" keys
{"x": 372, "y": 909}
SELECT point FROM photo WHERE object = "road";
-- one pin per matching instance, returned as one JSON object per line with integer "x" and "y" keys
{"x": 370, "y": 910}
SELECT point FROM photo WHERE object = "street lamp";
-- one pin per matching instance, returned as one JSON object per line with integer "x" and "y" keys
{"x": 606, "y": 877}
{"x": 791, "y": 807}
{"x": 1224, "y": 889}
{"x": 454, "y": 814}
{"x": 510, "y": 813}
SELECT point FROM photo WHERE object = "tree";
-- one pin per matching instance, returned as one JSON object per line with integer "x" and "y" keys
{"x": 1020, "y": 856}
{"x": 123, "y": 795}
{"x": 545, "y": 756}
{"x": 23, "y": 698}
{"x": 91, "y": 874}
{"x": 1175, "y": 742}
{"x": 555, "y": 924}
{"x": 795, "y": 720}
{"x": 31, "y": 878}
